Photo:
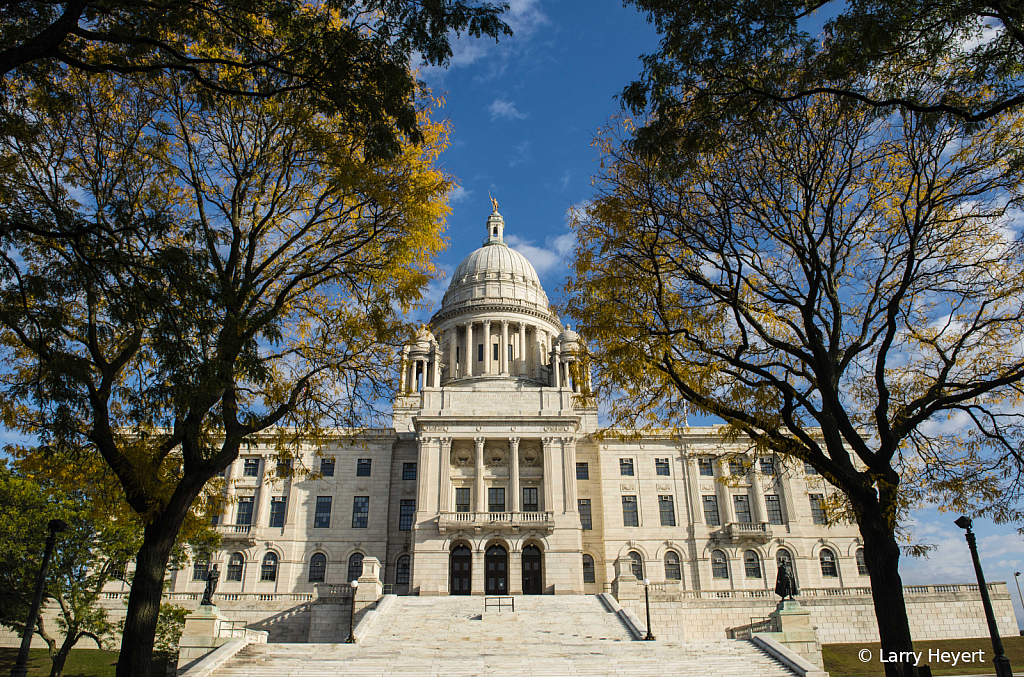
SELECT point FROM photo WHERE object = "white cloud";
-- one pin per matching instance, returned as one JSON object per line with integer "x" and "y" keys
{"x": 505, "y": 109}
{"x": 547, "y": 259}
{"x": 458, "y": 194}
{"x": 521, "y": 154}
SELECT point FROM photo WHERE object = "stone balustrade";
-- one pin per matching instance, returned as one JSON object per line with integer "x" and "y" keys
{"x": 512, "y": 520}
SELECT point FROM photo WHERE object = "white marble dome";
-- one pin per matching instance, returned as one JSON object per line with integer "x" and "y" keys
{"x": 495, "y": 272}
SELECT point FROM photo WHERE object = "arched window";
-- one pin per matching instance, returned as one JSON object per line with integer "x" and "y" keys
{"x": 782, "y": 555}
{"x": 719, "y": 565}
{"x": 402, "y": 571}
{"x": 828, "y": 563}
{"x": 672, "y": 570}
{"x": 268, "y": 571}
{"x": 636, "y": 564}
{"x": 318, "y": 568}
{"x": 862, "y": 565}
{"x": 235, "y": 564}
{"x": 355, "y": 566}
{"x": 200, "y": 570}
{"x": 752, "y": 564}
{"x": 588, "y": 569}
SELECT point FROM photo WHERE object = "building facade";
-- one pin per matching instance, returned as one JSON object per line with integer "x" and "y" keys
{"x": 492, "y": 480}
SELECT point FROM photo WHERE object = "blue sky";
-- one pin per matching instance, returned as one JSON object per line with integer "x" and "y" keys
{"x": 523, "y": 114}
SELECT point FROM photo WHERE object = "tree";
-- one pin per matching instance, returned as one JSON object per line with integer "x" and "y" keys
{"x": 842, "y": 288}
{"x": 88, "y": 555}
{"x": 354, "y": 57}
{"x": 249, "y": 272}
{"x": 726, "y": 59}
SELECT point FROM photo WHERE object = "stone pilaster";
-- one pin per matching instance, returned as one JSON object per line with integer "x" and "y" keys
{"x": 513, "y": 486}
{"x": 569, "y": 473}
{"x": 480, "y": 491}
{"x": 445, "y": 461}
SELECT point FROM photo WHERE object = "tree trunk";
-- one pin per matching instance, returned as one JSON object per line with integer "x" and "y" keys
{"x": 148, "y": 584}
{"x": 882, "y": 556}
{"x": 58, "y": 659}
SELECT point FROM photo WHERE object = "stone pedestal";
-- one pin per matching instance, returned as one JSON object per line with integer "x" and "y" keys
{"x": 625, "y": 585}
{"x": 201, "y": 635}
{"x": 797, "y": 634}
{"x": 370, "y": 587}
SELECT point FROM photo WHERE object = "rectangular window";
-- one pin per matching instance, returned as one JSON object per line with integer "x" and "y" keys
{"x": 360, "y": 512}
{"x": 322, "y": 517}
{"x": 630, "y": 518}
{"x": 588, "y": 570}
{"x": 661, "y": 467}
{"x": 284, "y": 467}
{"x": 582, "y": 471}
{"x": 251, "y": 467}
{"x": 626, "y": 467}
{"x": 496, "y": 499}
{"x": 667, "y": 510}
{"x": 462, "y": 499}
{"x": 711, "y": 511}
{"x": 458, "y": 359}
{"x": 245, "y": 505}
{"x": 774, "y": 508}
{"x": 530, "y": 499}
{"x": 706, "y": 469}
{"x": 511, "y": 353}
{"x": 496, "y": 355}
{"x": 809, "y": 469}
{"x": 817, "y": 509}
{"x": 767, "y": 466}
{"x": 363, "y": 467}
{"x": 408, "y": 471}
{"x": 327, "y": 467}
{"x": 479, "y": 352}
{"x": 737, "y": 466}
{"x": 742, "y": 505}
{"x": 277, "y": 506}
{"x": 586, "y": 519}
{"x": 405, "y": 514}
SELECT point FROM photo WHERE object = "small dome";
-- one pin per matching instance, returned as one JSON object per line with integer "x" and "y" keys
{"x": 568, "y": 336}
{"x": 423, "y": 341}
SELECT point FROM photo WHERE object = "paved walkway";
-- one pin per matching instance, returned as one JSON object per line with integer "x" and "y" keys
{"x": 549, "y": 636}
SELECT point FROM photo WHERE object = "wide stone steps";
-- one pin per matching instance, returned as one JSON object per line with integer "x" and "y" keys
{"x": 550, "y": 635}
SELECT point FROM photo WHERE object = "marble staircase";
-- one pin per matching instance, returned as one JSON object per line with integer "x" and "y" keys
{"x": 548, "y": 636}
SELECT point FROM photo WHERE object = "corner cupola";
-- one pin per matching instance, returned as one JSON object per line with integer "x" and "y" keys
{"x": 495, "y": 226}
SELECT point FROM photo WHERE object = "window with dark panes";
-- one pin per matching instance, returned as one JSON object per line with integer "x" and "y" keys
{"x": 582, "y": 471}
{"x": 586, "y": 520}
{"x": 284, "y": 467}
{"x": 818, "y": 509}
{"x": 626, "y": 467}
{"x": 277, "y": 511}
{"x": 719, "y": 565}
{"x": 673, "y": 572}
{"x": 462, "y": 499}
{"x": 318, "y": 568}
{"x": 268, "y": 570}
{"x": 711, "y": 511}
{"x": 636, "y": 565}
{"x": 355, "y": 566}
{"x": 245, "y": 506}
{"x": 630, "y": 517}
{"x": 200, "y": 570}
{"x": 360, "y": 512}
{"x": 828, "y": 563}
{"x": 479, "y": 352}
{"x": 738, "y": 466}
{"x": 668, "y": 511}
{"x": 774, "y": 507}
{"x": 322, "y": 517}
{"x": 809, "y": 469}
{"x": 862, "y": 565}
{"x": 530, "y": 499}
{"x": 251, "y": 467}
{"x": 751, "y": 564}
{"x": 741, "y": 504}
{"x": 408, "y": 471}
{"x": 327, "y": 467}
{"x": 363, "y": 467}
{"x": 588, "y": 569}
{"x": 235, "y": 565}
{"x": 496, "y": 499}
{"x": 705, "y": 467}
{"x": 767, "y": 466}
{"x": 406, "y": 512}
{"x": 402, "y": 571}
{"x": 661, "y": 467}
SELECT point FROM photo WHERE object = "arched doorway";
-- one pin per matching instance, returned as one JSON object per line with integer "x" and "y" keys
{"x": 461, "y": 570}
{"x": 533, "y": 579}
{"x": 496, "y": 561}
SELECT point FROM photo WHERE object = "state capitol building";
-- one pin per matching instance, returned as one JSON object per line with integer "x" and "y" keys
{"x": 491, "y": 480}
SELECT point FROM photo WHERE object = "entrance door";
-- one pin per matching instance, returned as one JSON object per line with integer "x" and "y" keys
{"x": 461, "y": 570}
{"x": 496, "y": 561}
{"x": 532, "y": 581}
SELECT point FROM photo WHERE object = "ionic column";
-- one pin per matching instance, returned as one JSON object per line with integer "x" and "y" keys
{"x": 503, "y": 351}
{"x": 403, "y": 382}
{"x": 522, "y": 349}
{"x": 556, "y": 367}
{"x": 435, "y": 357}
{"x": 725, "y": 499}
{"x": 760, "y": 510}
{"x": 569, "y": 472}
{"x": 422, "y": 473}
{"x": 453, "y": 342}
{"x": 467, "y": 357}
{"x": 513, "y": 485}
{"x": 445, "y": 459}
{"x": 487, "y": 347}
{"x": 692, "y": 480}
{"x": 478, "y": 481}
{"x": 538, "y": 342}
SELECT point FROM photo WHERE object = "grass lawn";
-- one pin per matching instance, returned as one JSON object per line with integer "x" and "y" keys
{"x": 841, "y": 660}
{"x": 81, "y": 663}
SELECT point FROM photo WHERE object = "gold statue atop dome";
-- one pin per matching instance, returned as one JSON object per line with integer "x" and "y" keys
{"x": 494, "y": 203}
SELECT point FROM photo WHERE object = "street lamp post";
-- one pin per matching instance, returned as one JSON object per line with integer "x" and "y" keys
{"x": 1016, "y": 579}
{"x": 352, "y": 617}
{"x": 20, "y": 668}
{"x": 1001, "y": 662}
{"x": 647, "y": 602}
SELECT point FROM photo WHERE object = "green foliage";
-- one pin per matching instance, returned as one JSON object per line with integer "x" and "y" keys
{"x": 169, "y": 627}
